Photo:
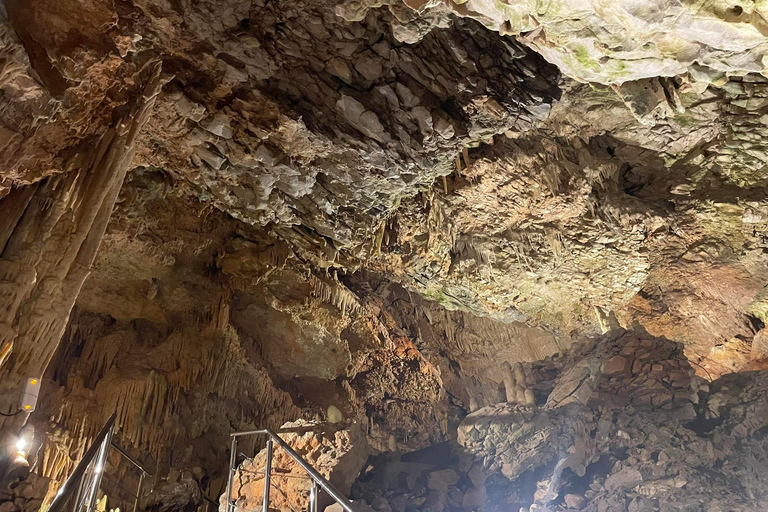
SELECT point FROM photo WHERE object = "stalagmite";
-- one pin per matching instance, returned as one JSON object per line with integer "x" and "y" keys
{"x": 510, "y": 384}
{"x": 517, "y": 385}
{"x": 607, "y": 321}
{"x": 524, "y": 395}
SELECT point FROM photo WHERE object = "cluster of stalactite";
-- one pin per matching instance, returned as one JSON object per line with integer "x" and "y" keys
{"x": 152, "y": 385}
{"x": 336, "y": 294}
{"x": 49, "y": 235}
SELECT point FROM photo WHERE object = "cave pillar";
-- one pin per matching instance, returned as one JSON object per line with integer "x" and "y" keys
{"x": 510, "y": 384}
{"x": 49, "y": 235}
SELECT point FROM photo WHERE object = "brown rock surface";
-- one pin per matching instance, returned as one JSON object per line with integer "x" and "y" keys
{"x": 655, "y": 440}
{"x": 630, "y": 453}
{"x": 338, "y": 455}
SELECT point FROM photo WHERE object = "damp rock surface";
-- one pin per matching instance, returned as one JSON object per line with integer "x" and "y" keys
{"x": 660, "y": 440}
{"x": 615, "y": 448}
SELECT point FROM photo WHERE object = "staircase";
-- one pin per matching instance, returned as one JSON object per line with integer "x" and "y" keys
{"x": 81, "y": 490}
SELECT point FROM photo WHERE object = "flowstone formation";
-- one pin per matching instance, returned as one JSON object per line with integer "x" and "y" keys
{"x": 50, "y": 235}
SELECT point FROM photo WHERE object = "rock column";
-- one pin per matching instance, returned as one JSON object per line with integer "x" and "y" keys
{"x": 49, "y": 235}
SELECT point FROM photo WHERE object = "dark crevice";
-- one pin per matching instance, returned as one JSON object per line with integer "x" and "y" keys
{"x": 579, "y": 485}
{"x": 755, "y": 323}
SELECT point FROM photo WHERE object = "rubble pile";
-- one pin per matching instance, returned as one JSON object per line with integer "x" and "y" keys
{"x": 431, "y": 480}
{"x": 23, "y": 492}
{"x": 629, "y": 426}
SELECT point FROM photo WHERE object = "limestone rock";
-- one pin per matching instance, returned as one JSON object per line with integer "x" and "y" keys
{"x": 184, "y": 494}
{"x": 338, "y": 455}
{"x": 441, "y": 480}
{"x": 358, "y": 202}
{"x": 625, "y": 479}
{"x": 734, "y": 41}
{"x": 760, "y": 346}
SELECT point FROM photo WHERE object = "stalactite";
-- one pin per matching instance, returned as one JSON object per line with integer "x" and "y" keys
{"x": 148, "y": 399}
{"x": 379, "y": 238}
{"x": 336, "y": 294}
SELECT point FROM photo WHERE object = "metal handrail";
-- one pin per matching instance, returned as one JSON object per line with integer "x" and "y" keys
{"x": 85, "y": 479}
{"x": 317, "y": 478}
{"x": 144, "y": 473}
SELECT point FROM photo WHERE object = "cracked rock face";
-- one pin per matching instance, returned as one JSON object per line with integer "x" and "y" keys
{"x": 458, "y": 162}
{"x": 319, "y": 127}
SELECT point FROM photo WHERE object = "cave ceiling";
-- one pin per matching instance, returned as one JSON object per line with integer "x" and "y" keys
{"x": 549, "y": 165}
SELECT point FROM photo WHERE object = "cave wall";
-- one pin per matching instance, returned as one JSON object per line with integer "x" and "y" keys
{"x": 194, "y": 327}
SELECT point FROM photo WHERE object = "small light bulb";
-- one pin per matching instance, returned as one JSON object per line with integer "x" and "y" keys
{"x": 21, "y": 444}
{"x": 97, "y": 469}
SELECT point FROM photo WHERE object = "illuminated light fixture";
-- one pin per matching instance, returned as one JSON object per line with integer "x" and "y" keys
{"x": 20, "y": 457}
{"x": 98, "y": 468}
{"x": 29, "y": 397}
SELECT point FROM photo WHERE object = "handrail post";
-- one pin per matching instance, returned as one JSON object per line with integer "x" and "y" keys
{"x": 267, "y": 476}
{"x": 96, "y": 470}
{"x": 138, "y": 492}
{"x": 232, "y": 459}
{"x": 75, "y": 485}
{"x": 313, "y": 495}
{"x": 82, "y": 485}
